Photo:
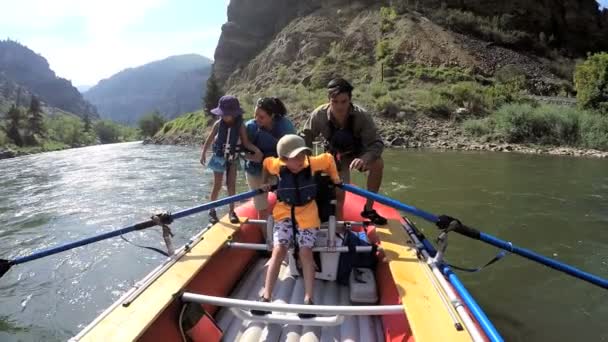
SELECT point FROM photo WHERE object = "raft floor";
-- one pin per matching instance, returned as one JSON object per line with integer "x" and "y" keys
{"x": 290, "y": 289}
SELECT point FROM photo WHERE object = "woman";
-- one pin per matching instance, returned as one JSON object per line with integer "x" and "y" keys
{"x": 264, "y": 131}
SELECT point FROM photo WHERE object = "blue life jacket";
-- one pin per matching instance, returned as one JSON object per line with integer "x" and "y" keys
{"x": 266, "y": 141}
{"x": 296, "y": 189}
{"x": 227, "y": 141}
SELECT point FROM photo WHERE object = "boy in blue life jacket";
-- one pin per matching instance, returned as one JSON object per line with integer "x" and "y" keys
{"x": 296, "y": 215}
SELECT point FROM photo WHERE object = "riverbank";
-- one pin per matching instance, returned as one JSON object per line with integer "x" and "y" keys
{"x": 411, "y": 130}
{"x": 12, "y": 152}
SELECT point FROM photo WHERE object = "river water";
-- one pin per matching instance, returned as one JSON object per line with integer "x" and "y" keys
{"x": 557, "y": 206}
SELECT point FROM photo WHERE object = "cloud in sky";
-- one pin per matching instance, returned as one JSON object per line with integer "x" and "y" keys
{"x": 85, "y": 41}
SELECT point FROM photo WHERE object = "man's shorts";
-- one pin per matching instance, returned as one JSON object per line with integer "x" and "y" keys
{"x": 283, "y": 235}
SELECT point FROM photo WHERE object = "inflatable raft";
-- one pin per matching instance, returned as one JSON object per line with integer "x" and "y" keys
{"x": 206, "y": 290}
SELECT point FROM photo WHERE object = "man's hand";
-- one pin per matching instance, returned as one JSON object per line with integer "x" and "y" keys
{"x": 358, "y": 164}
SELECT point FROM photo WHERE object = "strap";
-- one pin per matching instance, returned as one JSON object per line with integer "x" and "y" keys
{"x": 498, "y": 256}
{"x": 157, "y": 250}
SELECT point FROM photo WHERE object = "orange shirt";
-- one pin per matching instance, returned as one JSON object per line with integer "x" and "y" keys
{"x": 307, "y": 215}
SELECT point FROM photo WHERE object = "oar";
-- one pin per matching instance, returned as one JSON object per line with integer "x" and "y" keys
{"x": 443, "y": 221}
{"x": 5, "y": 265}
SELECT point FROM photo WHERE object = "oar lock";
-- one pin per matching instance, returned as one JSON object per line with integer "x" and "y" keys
{"x": 163, "y": 220}
{"x": 447, "y": 223}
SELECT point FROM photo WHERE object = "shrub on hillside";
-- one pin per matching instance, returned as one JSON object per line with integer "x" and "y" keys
{"x": 496, "y": 29}
{"x": 387, "y": 19}
{"x": 545, "y": 125}
{"x": 479, "y": 127}
{"x": 591, "y": 82}
{"x": 435, "y": 104}
{"x": 469, "y": 95}
{"x": 594, "y": 131}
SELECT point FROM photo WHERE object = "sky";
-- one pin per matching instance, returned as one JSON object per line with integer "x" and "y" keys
{"x": 88, "y": 40}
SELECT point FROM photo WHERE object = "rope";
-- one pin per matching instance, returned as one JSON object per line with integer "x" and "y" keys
{"x": 162, "y": 220}
{"x": 157, "y": 250}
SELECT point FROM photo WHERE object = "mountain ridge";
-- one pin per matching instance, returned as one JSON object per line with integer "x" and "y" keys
{"x": 24, "y": 73}
{"x": 172, "y": 86}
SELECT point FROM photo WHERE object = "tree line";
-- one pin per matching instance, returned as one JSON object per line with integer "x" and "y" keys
{"x": 25, "y": 127}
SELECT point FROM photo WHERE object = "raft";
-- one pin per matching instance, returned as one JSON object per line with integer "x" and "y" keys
{"x": 219, "y": 275}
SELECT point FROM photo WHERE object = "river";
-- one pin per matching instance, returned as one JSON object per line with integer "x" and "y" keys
{"x": 557, "y": 206}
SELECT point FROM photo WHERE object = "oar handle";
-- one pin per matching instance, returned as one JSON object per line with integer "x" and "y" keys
{"x": 478, "y": 235}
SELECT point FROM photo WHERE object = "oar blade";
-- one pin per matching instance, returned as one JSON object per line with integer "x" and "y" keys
{"x": 5, "y": 265}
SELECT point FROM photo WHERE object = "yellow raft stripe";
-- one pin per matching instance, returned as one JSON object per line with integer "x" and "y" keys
{"x": 427, "y": 315}
{"x": 127, "y": 324}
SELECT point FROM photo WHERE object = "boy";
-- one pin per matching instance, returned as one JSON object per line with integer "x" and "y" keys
{"x": 295, "y": 213}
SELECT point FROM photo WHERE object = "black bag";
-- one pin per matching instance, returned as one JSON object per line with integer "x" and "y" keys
{"x": 326, "y": 192}
{"x": 352, "y": 259}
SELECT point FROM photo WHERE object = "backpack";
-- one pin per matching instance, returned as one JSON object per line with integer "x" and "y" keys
{"x": 352, "y": 259}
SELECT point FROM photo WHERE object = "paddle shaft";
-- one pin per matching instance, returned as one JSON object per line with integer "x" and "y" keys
{"x": 489, "y": 239}
{"x": 134, "y": 227}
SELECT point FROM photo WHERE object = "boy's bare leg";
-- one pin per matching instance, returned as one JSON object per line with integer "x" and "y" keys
{"x": 308, "y": 268}
{"x": 274, "y": 265}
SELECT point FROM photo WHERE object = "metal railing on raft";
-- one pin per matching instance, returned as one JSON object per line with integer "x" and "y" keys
{"x": 241, "y": 308}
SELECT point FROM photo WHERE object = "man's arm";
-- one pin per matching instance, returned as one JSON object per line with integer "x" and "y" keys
{"x": 370, "y": 138}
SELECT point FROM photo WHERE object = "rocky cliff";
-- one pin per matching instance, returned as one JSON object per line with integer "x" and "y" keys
{"x": 291, "y": 30}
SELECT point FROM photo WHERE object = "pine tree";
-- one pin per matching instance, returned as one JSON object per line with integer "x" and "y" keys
{"x": 13, "y": 118}
{"x": 18, "y": 99}
{"x": 87, "y": 123}
{"x": 35, "y": 118}
{"x": 213, "y": 94}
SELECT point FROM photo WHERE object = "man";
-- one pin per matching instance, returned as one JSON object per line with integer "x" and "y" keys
{"x": 352, "y": 138}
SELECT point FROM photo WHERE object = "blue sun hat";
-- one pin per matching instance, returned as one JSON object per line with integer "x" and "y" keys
{"x": 228, "y": 105}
